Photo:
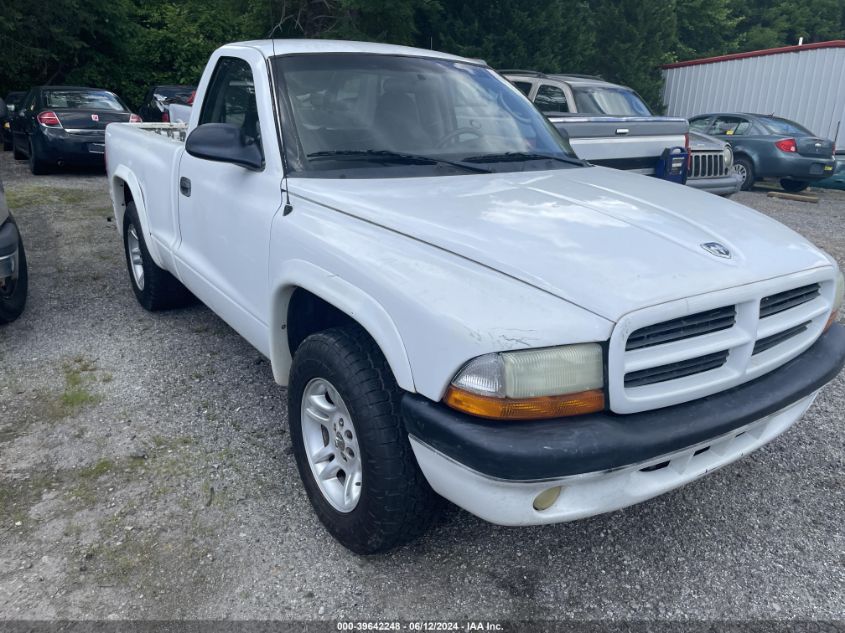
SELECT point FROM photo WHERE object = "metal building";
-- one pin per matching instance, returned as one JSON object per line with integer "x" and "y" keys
{"x": 803, "y": 83}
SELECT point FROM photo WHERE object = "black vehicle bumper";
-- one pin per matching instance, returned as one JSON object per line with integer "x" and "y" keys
{"x": 547, "y": 449}
{"x": 525, "y": 473}
{"x": 59, "y": 147}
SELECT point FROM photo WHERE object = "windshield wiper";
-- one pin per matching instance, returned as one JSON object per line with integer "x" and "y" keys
{"x": 507, "y": 157}
{"x": 395, "y": 157}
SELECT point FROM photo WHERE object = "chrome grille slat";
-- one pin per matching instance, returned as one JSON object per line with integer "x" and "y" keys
{"x": 707, "y": 165}
{"x": 765, "y": 344}
{"x": 682, "y": 328}
{"x": 788, "y": 299}
{"x": 676, "y": 370}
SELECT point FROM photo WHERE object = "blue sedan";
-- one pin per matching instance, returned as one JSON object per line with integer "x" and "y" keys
{"x": 767, "y": 146}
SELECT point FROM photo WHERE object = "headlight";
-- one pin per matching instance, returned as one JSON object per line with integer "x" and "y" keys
{"x": 531, "y": 384}
{"x": 838, "y": 297}
{"x": 729, "y": 156}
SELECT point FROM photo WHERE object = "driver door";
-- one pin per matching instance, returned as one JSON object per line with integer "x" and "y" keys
{"x": 225, "y": 211}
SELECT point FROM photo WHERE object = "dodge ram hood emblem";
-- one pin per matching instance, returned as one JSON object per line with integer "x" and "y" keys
{"x": 714, "y": 248}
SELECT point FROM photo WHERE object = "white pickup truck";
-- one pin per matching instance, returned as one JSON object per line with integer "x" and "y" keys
{"x": 457, "y": 305}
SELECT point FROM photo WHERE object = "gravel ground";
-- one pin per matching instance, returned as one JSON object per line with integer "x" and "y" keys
{"x": 146, "y": 472}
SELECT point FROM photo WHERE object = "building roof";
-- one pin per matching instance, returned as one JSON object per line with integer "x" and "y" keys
{"x": 761, "y": 53}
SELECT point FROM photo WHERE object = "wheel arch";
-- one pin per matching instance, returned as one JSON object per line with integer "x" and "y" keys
{"x": 125, "y": 188}
{"x": 303, "y": 282}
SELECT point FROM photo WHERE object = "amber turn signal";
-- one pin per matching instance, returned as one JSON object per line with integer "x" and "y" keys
{"x": 833, "y": 317}
{"x": 525, "y": 408}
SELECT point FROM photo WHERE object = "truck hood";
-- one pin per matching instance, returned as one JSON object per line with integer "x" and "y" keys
{"x": 608, "y": 241}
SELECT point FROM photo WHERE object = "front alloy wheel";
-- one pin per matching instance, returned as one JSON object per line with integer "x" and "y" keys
{"x": 331, "y": 445}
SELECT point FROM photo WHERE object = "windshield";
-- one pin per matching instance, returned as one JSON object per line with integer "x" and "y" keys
{"x": 174, "y": 93}
{"x": 365, "y": 115}
{"x": 609, "y": 100}
{"x": 83, "y": 100}
{"x": 785, "y": 126}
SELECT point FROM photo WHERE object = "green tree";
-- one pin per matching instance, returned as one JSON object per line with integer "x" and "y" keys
{"x": 633, "y": 39}
{"x": 706, "y": 28}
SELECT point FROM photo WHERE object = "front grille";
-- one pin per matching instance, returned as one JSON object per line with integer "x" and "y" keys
{"x": 788, "y": 299}
{"x": 661, "y": 356}
{"x": 776, "y": 339}
{"x": 677, "y": 370}
{"x": 707, "y": 165}
{"x": 683, "y": 328}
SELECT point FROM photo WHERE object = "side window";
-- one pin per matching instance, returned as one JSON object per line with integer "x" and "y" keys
{"x": 231, "y": 98}
{"x": 29, "y": 102}
{"x": 700, "y": 125}
{"x": 551, "y": 99}
{"x": 524, "y": 87}
{"x": 729, "y": 126}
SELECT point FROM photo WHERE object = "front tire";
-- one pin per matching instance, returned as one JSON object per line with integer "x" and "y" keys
{"x": 155, "y": 288}
{"x": 350, "y": 444}
{"x": 793, "y": 186}
{"x": 13, "y": 292}
{"x": 745, "y": 169}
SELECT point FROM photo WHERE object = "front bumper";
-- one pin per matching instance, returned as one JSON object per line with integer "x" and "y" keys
{"x": 720, "y": 185}
{"x": 606, "y": 461}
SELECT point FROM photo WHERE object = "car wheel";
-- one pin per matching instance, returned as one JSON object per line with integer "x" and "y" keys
{"x": 13, "y": 291}
{"x": 350, "y": 444}
{"x": 18, "y": 155}
{"x": 37, "y": 165}
{"x": 793, "y": 186}
{"x": 745, "y": 169}
{"x": 155, "y": 288}
{"x": 7, "y": 145}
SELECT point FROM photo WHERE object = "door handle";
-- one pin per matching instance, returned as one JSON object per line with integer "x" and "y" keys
{"x": 185, "y": 186}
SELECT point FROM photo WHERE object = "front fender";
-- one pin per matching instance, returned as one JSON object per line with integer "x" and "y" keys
{"x": 344, "y": 296}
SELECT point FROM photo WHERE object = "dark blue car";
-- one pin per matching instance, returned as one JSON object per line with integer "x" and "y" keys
{"x": 767, "y": 146}
{"x": 65, "y": 125}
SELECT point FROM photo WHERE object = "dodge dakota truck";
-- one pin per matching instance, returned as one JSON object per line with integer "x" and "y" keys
{"x": 458, "y": 306}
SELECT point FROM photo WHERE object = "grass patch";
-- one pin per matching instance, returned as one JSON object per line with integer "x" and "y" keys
{"x": 39, "y": 195}
{"x": 79, "y": 375}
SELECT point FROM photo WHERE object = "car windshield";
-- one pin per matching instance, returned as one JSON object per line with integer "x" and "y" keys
{"x": 609, "y": 100}
{"x": 373, "y": 116}
{"x": 785, "y": 126}
{"x": 82, "y": 100}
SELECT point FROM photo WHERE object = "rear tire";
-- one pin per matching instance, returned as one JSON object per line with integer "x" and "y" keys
{"x": 155, "y": 288}
{"x": 7, "y": 145}
{"x": 13, "y": 301}
{"x": 391, "y": 502}
{"x": 37, "y": 165}
{"x": 745, "y": 168}
{"x": 793, "y": 186}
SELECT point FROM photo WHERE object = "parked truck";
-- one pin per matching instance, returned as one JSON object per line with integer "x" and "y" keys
{"x": 457, "y": 305}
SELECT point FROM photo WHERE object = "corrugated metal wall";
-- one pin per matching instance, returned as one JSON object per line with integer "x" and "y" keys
{"x": 805, "y": 86}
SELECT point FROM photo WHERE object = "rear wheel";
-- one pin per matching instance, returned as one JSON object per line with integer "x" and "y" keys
{"x": 155, "y": 288}
{"x": 745, "y": 169}
{"x": 37, "y": 165}
{"x": 13, "y": 290}
{"x": 793, "y": 186}
{"x": 350, "y": 444}
{"x": 7, "y": 144}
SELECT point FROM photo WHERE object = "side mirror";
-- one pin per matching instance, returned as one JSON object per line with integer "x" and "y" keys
{"x": 224, "y": 143}
{"x": 4, "y": 111}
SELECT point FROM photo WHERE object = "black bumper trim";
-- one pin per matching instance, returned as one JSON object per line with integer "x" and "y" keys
{"x": 547, "y": 449}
